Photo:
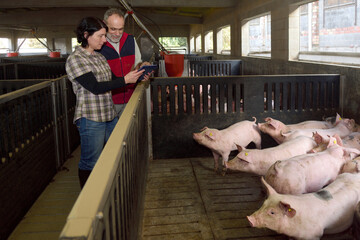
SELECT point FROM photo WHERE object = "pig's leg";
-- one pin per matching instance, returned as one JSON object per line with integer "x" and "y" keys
{"x": 225, "y": 158}
{"x": 216, "y": 160}
{"x": 257, "y": 142}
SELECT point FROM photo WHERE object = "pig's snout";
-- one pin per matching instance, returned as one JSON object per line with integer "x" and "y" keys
{"x": 251, "y": 220}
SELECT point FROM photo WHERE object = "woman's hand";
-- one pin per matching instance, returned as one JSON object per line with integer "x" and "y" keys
{"x": 147, "y": 76}
{"x": 133, "y": 76}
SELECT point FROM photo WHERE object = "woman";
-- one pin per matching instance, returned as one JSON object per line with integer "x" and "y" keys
{"x": 92, "y": 80}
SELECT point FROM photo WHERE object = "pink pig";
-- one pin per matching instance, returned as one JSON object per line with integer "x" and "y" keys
{"x": 309, "y": 216}
{"x": 350, "y": 141}
{"x": 259, "y": 161}
{"x": 275, "y": 127}
{"x": 351, "y": 166}
{"x": 343, "y": 129}
{"x": 309, "y": 172}
{"x": 222, "y": 142}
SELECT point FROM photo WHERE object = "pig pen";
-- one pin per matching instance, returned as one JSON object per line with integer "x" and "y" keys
{"x": 185, "y": 198}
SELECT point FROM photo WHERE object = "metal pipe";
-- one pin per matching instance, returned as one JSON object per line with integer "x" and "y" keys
{"x": 141, "y": 25}
{"x": 56, "y": 126}
{"x": 17, "y": 49}
{"x": 17, "y": 28}
{"x": 42, "y": 43}
{"x": 65, "y": 107}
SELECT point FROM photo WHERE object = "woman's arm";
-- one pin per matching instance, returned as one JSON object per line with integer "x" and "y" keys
{"x": 89, "y": 82}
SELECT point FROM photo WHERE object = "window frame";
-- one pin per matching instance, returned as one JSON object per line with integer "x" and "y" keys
{"x": 328, "y": 57}
{"x": 210, "y": 50}
{"x": 198, "y": 49}
{"x": 192, "y": 44}
{"x": 220, "y": 50}
{"x": 245, "y": 48}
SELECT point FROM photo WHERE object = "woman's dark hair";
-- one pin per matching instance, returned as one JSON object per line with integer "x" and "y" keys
{"x": 89, "y": 25}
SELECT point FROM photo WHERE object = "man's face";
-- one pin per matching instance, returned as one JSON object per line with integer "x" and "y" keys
{"x": 115, "y": 25}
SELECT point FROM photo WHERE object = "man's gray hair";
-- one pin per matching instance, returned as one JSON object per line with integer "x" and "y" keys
{"x": 112, "y": 11}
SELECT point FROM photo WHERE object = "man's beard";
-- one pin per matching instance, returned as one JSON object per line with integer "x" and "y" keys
{"x": 113, "y": 38}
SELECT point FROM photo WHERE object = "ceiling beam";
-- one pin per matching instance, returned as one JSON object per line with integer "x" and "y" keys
{"x": 71, "y": 17}
{"x": 114, "y": 3}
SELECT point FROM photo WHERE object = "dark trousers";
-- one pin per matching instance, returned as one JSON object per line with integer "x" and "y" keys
{"x": 83, "y": 176}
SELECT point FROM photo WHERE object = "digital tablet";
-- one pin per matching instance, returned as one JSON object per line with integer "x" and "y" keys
{"x": 148, "y": 68}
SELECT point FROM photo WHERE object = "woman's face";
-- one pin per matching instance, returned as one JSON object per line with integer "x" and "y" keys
{"x": 96, "y": 40}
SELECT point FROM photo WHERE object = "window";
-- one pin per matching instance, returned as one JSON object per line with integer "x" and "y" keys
{"x": 223, "y": 38}
{"x": 4, "y": 45}
{"x": 209, "y": 43}
{"x": 175, "y": 44}
{"x": 32, "y": 45}
{"x": 257, "y": 36}
{"x": 198, "y": 43}
{"x": 335, "y": 10}
{"x": 74, "y": 43}
{"x": 329, "y": 31}
{"x": 192, "y": 45}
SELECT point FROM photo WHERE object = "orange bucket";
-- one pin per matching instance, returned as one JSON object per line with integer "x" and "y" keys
{"x": 12, "y": 54}
{"x": 174, "y": 64}
{"x": 54, "y": 54}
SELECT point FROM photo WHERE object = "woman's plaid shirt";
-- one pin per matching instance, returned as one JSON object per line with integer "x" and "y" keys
{"x": 98, "y": 108}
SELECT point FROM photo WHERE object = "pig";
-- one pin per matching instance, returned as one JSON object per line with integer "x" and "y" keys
{"x": 275, "y": 127}
{"x": 343, "y": 129}
{"x": 309, "y": 216}
{"x": 222, "y": 142}
{"x": 259, "y": 161}
{"x": 351, "y": 166}
{"x": 350, "y": 141}
{"x": 309, "y": 172}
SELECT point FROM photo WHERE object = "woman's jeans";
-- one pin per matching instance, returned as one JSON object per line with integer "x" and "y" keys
{"x": 93, "y": 136}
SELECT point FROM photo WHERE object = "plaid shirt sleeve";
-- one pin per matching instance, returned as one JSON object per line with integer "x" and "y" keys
{"x": 76, "y": 66}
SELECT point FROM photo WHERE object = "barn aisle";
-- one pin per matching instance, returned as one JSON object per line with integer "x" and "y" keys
{"x": 47, "y": 217}
{"x": 185, "y": 199}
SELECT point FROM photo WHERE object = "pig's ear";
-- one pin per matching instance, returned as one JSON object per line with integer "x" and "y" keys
{"x": 240, "y": 148}
{"x": 332, "y": 142}
{"x": 274, "y": 123}
{"x": 287, "y": 210}
{"x": 317, "y": 138}
{"x": 269, "y": 189}
{"x": 338, "y": 118}
{"x": 204, "y": 128}
{"x": 338, "y": 139}
{"x": 351, "y": 153}
{"x": 268, "y": 119}
{"x": 285, "y": 134}
{"x": 210, "y": 135}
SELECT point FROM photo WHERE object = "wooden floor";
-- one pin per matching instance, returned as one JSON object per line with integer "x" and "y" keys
{"x": 46, "y": 218}
{"x": 185, "y": 199}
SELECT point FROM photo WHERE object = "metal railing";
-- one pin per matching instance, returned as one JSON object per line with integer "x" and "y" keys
{"x": 187, "y": 104}
{"x": 109, "y": 205}
{"x": 28, "y": 112}
{"x": 36, "y": 138}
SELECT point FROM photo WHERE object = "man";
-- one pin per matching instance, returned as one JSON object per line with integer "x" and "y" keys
{"x": 122, "y": 53}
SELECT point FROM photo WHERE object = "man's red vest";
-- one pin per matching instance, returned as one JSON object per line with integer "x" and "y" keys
{"x": 121, "y": 65}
